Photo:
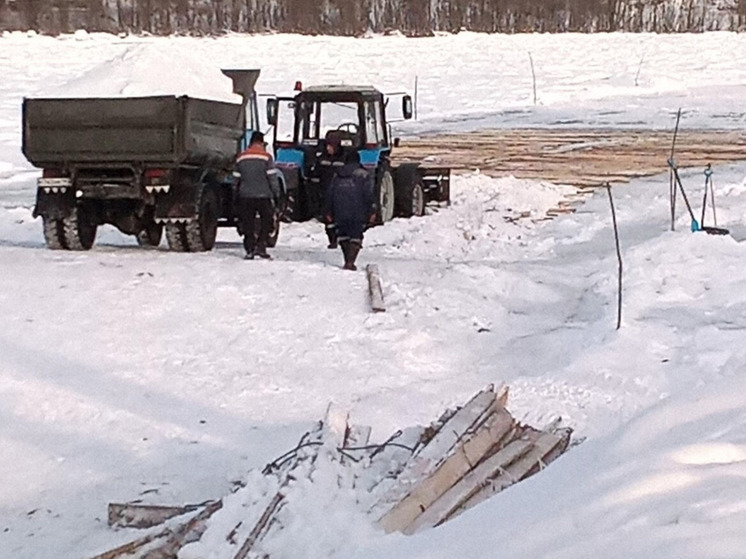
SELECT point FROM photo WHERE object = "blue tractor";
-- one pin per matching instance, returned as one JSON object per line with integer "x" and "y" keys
{"x": 357, "y": 119}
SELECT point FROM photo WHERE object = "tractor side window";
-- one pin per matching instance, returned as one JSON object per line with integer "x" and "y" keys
{"x": 285, "y": 121}
{"x": 373, "y": 130}
{"x": 374, "y": 123}
{"x": 308, "y": 116}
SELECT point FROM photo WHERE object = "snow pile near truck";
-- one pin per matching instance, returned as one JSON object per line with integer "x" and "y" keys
{"x": 142, "y": 70}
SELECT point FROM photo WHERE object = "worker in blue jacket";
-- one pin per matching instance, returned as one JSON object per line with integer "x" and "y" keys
{"x": 350, "y": 206}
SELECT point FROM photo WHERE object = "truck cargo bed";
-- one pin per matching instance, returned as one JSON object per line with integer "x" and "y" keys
{"x": 100, "y": 131}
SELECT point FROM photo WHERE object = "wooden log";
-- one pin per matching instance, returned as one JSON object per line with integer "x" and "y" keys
{"x": 459, "y": 463}
{"x": 136, "y": 515}
{"x": 374, "y": 288}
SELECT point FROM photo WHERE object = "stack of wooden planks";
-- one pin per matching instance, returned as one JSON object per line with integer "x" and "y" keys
{"x": 582, "y": 157}
{"x": 480, "y": 451}
{"x": 416, "y": 479}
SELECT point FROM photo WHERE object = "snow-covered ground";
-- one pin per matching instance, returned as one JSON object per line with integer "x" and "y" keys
{"x": 128, "y": 373}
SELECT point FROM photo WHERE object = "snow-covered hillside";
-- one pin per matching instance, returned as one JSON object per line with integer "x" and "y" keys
{"x": 128, "y": 373}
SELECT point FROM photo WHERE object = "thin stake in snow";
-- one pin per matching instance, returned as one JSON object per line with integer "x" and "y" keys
{"x": 619, "y": 257}
{"x": 416, "y": 94}
{"x": 672, "y": 180}
{"x": 533, "y": 73}
{"x": 708, "y": 184}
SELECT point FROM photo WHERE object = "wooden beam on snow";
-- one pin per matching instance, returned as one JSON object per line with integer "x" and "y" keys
{"x": 168, "y": 541}
{"x": 136, "y": 515}
{"x": 374, "y": 288}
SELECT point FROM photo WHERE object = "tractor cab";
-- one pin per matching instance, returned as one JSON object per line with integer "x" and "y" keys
{"x": 354, "y": 118}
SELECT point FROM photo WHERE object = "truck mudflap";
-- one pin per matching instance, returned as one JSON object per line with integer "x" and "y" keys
{"x": 437, "y": 184}
{"x": 178, "y": 204}
{"x": 54, "y": 201}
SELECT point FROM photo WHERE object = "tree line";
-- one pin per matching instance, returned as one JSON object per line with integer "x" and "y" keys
{"x": 357, "y": 17}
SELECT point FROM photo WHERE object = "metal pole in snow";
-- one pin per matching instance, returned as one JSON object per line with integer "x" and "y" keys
{"x": 619, "y": 258}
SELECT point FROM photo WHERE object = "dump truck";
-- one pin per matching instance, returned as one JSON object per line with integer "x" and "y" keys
{"x": 142, "y": 164}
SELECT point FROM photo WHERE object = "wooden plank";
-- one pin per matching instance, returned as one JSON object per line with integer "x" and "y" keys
{"x": 573, "y": 156}
{"x": 427, "y": 458}
{"x": 375, "y": 290}
{"x": 136, "y": 515}
{"x": 165, "y": 542}
{"x": 261, "y": 526}
{"x": 464, "y": 458}
{"x": 512, "y": 473}
{"x": 471, "y": 483}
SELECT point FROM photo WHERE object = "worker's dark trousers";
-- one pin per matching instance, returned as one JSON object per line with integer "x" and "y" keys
{"x": 255, "y": 241}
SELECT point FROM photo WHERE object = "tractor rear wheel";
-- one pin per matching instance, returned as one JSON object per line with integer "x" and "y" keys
{"x": 413, "y": 199}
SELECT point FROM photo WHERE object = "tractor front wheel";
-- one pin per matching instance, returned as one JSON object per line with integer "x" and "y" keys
{"x": 386, "y": 197}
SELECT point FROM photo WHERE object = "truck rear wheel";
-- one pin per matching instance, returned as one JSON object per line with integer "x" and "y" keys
{"x": 150, "y": 236}
{"x": 176, "y": 237}
{"x": 202, "y": 231}
{"x": 53, "y": 233}
{"x": 79, "y": 232}
{"x": 199, "y": 233}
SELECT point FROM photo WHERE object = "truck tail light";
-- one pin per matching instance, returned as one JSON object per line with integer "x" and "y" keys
{"x": 156, "y": 180}
{"x": 52, "y": 173}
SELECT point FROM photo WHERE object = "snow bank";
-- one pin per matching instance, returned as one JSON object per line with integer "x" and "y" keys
{"x": 169, "y": 68}
{"x": 486, "y": 211}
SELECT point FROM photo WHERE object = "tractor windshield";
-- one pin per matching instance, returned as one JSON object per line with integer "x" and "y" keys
{"x": 317, "y": 118}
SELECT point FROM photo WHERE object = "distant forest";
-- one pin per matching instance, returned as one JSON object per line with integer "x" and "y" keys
{"x": 357, "y": 17}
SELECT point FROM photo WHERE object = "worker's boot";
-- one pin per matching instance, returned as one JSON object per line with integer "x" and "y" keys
{"x": 345, "y": 246}
{"x": 261, "y": 251}
{"x": 352, "y": 251}
{"x": 331, "y": 234}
